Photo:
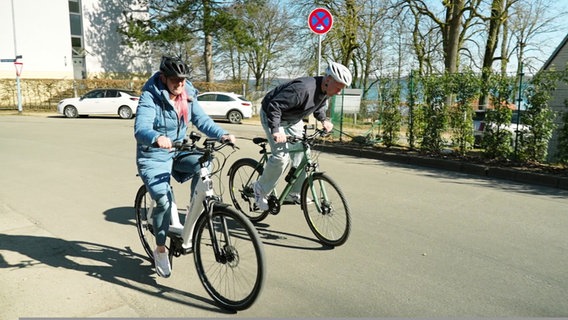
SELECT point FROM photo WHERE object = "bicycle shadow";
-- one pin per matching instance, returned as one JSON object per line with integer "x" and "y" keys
{"x": 117, "y": 266}
{"x": 277, "y": 238}
{"x": 272, "y": 237}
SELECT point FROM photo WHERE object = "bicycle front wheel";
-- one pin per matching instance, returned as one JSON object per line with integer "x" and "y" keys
{"x": 242, "y": 174}
{"x": 326, "y": 209}
{"x": 142, "y": 206}
{"x": 234, "y": 275}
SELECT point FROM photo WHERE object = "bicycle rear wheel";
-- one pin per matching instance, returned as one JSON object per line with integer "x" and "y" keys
{"x": 233, "y": 279}
{"x": 142, "y": 205}
{"x": 326, "y": 209}
{"x": 241, "y": 176}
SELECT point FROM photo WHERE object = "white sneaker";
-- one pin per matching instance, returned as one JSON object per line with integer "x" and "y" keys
{"x": 162, "y": 263}
{"x": 259, "y": 198}
{"x": 294, "y": 198}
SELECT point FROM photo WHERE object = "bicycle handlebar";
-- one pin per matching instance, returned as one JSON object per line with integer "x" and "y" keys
{"x": 308, "y": 138}
{"x": 209, "y": 145}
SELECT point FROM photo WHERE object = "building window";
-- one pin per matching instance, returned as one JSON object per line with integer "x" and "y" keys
{"x": 75, "y": 21}
{"x": 76, "y": 43}
{"x": 74, "y": 6}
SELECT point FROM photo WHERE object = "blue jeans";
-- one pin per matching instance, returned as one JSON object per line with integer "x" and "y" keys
{"x": 183, "y": 169}
{"x": 281, "y": 155}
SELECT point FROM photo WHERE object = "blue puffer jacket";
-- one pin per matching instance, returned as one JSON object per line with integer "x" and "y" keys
{"x": 155, "y": 117}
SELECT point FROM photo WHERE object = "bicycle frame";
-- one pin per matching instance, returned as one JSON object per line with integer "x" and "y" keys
{"x": 307, "y": 165}
{"x": 202, "y": 201}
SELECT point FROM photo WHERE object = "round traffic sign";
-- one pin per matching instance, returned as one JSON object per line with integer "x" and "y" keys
{"x": 320, "y": 21}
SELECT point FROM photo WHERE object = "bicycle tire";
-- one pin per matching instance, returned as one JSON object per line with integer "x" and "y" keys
{"x": 142, "y": 204}
{"x": 235, "y": 280}
{"x": 241, "y": 176}
{"x": 332, "y": 223}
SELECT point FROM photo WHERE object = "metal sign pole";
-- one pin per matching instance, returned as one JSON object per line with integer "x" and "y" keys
{"x": 319, "y": 55}
{"x": 18, "y": 66}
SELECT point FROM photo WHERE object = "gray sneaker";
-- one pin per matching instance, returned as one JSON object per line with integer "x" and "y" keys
{"x": 259, "y": 198}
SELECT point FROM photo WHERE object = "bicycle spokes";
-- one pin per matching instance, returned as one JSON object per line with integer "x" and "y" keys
{"x": 327, "y": 213}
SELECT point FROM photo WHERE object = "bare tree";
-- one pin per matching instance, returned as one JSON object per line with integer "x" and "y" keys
{"x": 272, "y": 33}
{"x": 455, "y": 23}
{"x": 529, "y": 23}
{"x": 496, "y": 20}
{"x": 372, "y": 35}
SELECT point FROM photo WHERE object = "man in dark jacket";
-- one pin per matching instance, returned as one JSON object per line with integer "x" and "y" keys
{"x": 282, "y": 112}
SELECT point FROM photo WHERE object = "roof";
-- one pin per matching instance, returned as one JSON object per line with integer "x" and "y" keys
{"x": 548, "y": 62}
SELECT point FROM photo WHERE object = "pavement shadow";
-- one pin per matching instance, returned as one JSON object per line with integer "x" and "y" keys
{"x": 121, "y": 215}
{"x": 276, "y": 238}
{"x": 453, "y": 177}
{"x": 272, "y": 237}
{"x": 117, "y": 266}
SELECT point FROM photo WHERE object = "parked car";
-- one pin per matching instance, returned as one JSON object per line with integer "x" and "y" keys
{"x": 480, "y": 126}
{"x": 101, "y": 102}
{"x": 225, "y": 105}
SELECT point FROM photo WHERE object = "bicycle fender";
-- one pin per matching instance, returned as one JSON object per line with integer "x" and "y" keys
{"x": 220, "y": 205}
{"x": 238, "y": 164}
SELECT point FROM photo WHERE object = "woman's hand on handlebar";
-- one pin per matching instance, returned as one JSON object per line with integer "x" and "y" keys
{"x": 164, "y": 142}
{"x": 228, "y": 138}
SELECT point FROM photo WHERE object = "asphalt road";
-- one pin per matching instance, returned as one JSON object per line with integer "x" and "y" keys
{"x": 424, "y": 243}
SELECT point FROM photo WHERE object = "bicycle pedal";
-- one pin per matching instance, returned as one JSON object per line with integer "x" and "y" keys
{"x": 273, "y": 205}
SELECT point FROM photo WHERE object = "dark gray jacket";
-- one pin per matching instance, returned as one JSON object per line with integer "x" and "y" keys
{"x": 293, "y": 101}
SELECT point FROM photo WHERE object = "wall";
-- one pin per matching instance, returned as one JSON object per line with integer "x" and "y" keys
{"x": 105, "y": 51}
{"x": 558, "y": 61}
{"x": 42, "y": 38}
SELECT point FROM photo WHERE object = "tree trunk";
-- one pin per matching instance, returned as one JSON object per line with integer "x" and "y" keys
{"x": 452, "y": 29}
{"x": 208, "y": 41}
{"x": 495, "y": 22}
{"x": 208, "y": 58}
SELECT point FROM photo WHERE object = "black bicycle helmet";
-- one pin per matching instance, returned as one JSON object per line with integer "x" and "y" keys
{"x": 174, "y": 67}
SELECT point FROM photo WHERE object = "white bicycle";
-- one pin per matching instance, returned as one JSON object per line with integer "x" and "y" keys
{"x": 227, "y": 250}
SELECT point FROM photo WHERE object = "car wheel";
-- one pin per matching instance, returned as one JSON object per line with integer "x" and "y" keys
{"x": 235, "y": 116}
{"x": 125, "y": 112}
{"x": 70, "y": 112}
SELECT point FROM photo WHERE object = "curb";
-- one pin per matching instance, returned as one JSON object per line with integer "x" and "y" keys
{"x": 451, "y": 165}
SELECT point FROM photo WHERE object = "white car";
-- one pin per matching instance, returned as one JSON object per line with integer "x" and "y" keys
{"x": 101, "y": 102}
{"x": 225, "y": 105}
{"x": 480, "y": 126}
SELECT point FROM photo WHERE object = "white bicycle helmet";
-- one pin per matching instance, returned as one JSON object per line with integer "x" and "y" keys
{"x": 339, "y": 72}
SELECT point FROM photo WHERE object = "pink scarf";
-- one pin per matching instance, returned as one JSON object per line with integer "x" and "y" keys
{"x": 181, "y": 106}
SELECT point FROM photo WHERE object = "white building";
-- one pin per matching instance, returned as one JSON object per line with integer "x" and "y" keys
{"x": 66, "y": 39}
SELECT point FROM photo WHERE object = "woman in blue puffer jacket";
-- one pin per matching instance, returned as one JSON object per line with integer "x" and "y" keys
{"x": 167, "y": 105}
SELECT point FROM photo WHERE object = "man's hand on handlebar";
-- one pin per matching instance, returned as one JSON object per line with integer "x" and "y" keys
{"x": 327, "y": 125}
{"x": 279, "y": 137}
